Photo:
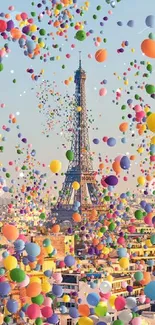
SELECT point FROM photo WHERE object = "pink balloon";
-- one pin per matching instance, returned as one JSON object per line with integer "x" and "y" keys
{"x": 120, "y": 303}
{"x": 137, "y": 321}
{"x": 25, "y": 282}
{"x": 118, "y": 158}
{"x": 47, "y": 311}
{"x": 102, "y": 91}
{"x": 124, "y": 284}
{"x": 33, "y": 311}
{"x": 137, "y": 108}
{"x": 47, "y": 301}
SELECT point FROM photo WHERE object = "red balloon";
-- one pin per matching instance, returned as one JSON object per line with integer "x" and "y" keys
{"x": 120, "y": 303}
{"x": 3, "y": 26}
{"x": 47, "y": 311}
{"x": 33, "y": 311}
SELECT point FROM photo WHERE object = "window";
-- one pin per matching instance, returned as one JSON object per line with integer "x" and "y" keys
{"x": 69, "y": 322}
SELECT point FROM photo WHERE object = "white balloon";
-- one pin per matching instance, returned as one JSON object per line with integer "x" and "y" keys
{"x": 125, "y": 316}
{"x": 105, "y": 287}
{"x": 131, "y": 302}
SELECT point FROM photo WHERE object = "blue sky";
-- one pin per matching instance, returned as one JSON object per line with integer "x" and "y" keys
{"x": 107, "y": 116}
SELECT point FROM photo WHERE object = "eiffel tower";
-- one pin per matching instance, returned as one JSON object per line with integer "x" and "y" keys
{"x": 81, "y": 168}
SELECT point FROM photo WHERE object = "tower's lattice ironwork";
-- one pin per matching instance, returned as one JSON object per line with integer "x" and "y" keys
{"x": 81, "y": 168}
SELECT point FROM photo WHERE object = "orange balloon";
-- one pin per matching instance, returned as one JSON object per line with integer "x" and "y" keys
{"x": 94, "y": 213}
{"x": 101, "y": 55}
{"x": 84, "y": 310}
{"x": 146, "y": 278}
{"x": 95, "y": 241}
{"x": 33, "y": 289}
{"x": 66, "y": 82}
{"x": 123, "y": 127}
{"x": 148, "y": 48}
{"x": 55, "y": 229}
{"x": 101, "y": 166}
{"x": 149, "y": 178}
{"x": 16, "y": 33}
{"x": 99, "y": 39}
{"x": 132, "y": 157}
{"x": 18, "y": 17}
{"x": 116, "y": 167}
{"x": 76, "y": 217}
{"x": 10, "y": 232}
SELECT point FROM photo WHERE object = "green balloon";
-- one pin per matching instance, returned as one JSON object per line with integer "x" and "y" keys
{"x": 138, "y": 214}
{"x": 138, "y": 276}
{"x": 152, "y": 36}
{"x": 70, "y": 155}
{"x": 38, "y": 321}
{"x": 17, "y": 275}
{"x": 42, "y": 32}
{"x": 80, "y": 35}
{"x": 7, "y": 319}
{"x": 38, "y": 300}
{"x": 42, "y": 216}
{"x": 118, "y": 322}
{"x": 149, "y": 67}
{"x": 150, "y": 89}
{"x": 100, "y": 310}
{"x": 1, "y": 67}
{"x": 112, "y": 226}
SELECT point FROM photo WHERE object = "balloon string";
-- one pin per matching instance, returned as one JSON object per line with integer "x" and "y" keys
{"x": 143, "y": 30}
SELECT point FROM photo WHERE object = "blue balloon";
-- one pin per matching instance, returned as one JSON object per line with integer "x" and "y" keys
{"x": 130, "y": 23}
{"x": 48, "y": 273}
{"x": 73, "y": 312}
{"x": 53, "y": 319}
{"x": 32, "y": 249}
{"x": 111, "y": 142}
{"x": 63, "y": 309}
{"x": 69, "y": 260}
{"x": 149, "y": 290}
{"x": 96, "y": 141}
{"x": 19, "y": 245}
{"x": 57, "y": 290}
{"x": 12, "y": 306}
{"x": 150, "y": 21}
{"x": 93, "y": 299}
{"x": 122, "y": 252}
{"x": 148, "y": 208}
{"x": 125, "y": 163}
{"x": 4, "y": 289}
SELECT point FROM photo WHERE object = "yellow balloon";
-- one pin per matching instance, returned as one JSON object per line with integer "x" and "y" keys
{"x": 75, "y": 186}
{"x": 109, "y": 278}
{"x": 85, "y": 321}
{"x": 124, "y": 263}
{"x": 151, "y": 122}
{"x": 46, "y": 287}
{"x": 35, "y": 279}
{"x": 49, "y": 249}
{"x": 153, "y": 140}
{"x": 148, "y": 243}
{"x": 141, "y": 180}
{"x": 79, "y": 109}
{"x": 10, "y": 262}
{"x": 33, "y": 28}
{"x": 55, "y": 166}
{"x": 66, "y": 298}
{"x": 112, "y": 300}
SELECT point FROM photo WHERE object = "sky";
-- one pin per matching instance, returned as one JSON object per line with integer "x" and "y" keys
{"x": 20, "y": 98}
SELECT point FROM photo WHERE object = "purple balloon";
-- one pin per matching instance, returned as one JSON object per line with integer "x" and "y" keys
{"x": 53, "y": 319}
{"x": 111, "y": 142}
{"x": 69, "y": 260}
{"x": 111, "y": 180}
{"x": 96, "y": 141}
{"x": 10, "y": 25}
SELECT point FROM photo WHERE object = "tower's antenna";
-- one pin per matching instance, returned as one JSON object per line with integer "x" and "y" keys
{"x": 79, "y": 59}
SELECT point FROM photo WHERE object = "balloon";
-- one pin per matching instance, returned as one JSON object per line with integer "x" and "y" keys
{"x": 80, "y": 35}
{"x": 150, "y": 89}
{"x": 84, "y": 310}
{"x": 111, "y": 180}
{"x": 38, "y": 299}
{"x": 55, "y": 229}
{"x": 116, "y": 167}
{"x": 148, "y": 48}
{"x": 55, "y": 166}
{"x": 57, "y": 290}
{"x": 124, "y": 263}
{"x": 3, "y": 26}
{"x": 101, "y": 55}
{"x": 76, "y": 217}
{"x": 12, "y": 306}
{"x": 150, "y": 21}
{"x": 32, "y": 249}
{"x": 151, "y": 122}
{"x": 75, "y": 185}
{"x": 70, "y": 155}
{"x": 125, "y": 316}
{"x": 66, "y": 298}
{"x": 69, "y": 260}
{"x": 17, "y": 275}
{"x": 93, "y": 299}
{"x": 123, "y": 127}
{"x": 149, "y": 290}
{"x": 125, "y": 163}
{"x": 47, "y": 311}
{"x": 53, "y": 319}
{"x": 137, "y": 321}
{"x": 101, "y": 309}
{"x": 141, "y": 180}
{"x": 118, "y": 322}
{"x": 4, "y": 289}
{"x": 120, "y": 303}
{"x": 10, "y": 262}
{"x": 85, "y": 321}
{"x": 105, "y": 287}
{"x": 131, "y": 302}
{"x": 73, "y": 312}
{"x": 33, "y": 311}
{"x": 102, "y": 91}
{"x": 33, "y": 289}
{"x": 10, "y": 232}
{"x": 111, "y": 142}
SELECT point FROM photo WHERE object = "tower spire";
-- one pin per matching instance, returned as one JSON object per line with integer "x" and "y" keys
{"x": 79, "y": 59}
